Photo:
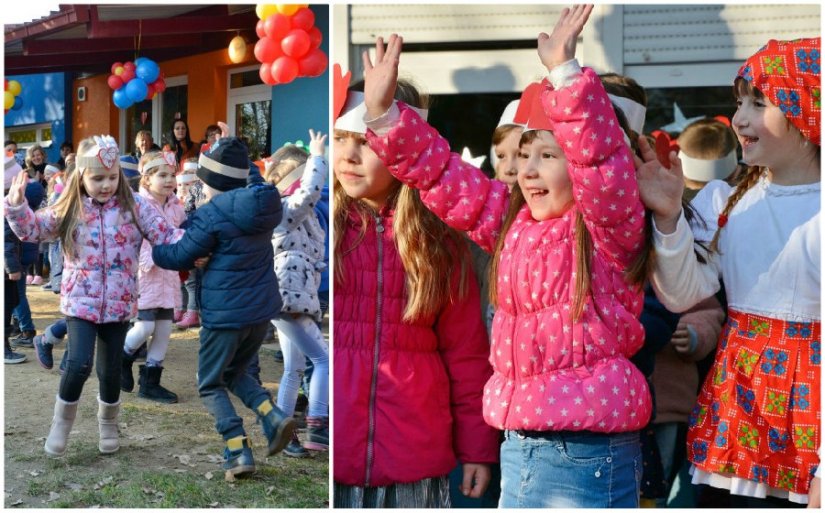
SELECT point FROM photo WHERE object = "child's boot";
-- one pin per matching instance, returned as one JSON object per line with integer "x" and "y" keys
{"x": 150, "y": 387}
{"x": 127, "y": 379}
{"x": 64, "y": 415}
{"x": 317, "y": 434}
{"x": 294, "y": 449}
{"x": 43, "y": 346}
{"x": 190, "y": 319}
{"x": 107, "y": 420}
{"x": 237, "y": 456}
{"x": 278, "y": 428}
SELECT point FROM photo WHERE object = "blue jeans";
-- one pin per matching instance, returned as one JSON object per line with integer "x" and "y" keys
{"x": 84, "y": 335}
{"x": 190, "y": 287}
{"x": 301, "y": 339}
{"x": 22, "y": 311}
{"x": 567, "y": 469}
{"x": 222, "y": 361}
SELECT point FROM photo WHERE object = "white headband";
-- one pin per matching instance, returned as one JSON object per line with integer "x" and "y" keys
{"x": 633, "y": 111}
{"x": 167, "y": 159}
{"x": 107, "y": 155}
{"x": 509, "y": 114}
{"x": 354, "y": 111}
{"x": 214, "y": 165}
{"x": 190, "y": 166}
{"x": 703, "y": 170}
{"x": 185, "y": 178}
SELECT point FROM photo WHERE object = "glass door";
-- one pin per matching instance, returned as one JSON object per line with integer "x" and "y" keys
{"x": 249, "y": 110}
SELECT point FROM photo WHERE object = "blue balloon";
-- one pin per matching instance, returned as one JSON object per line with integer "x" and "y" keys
{"x": 18, "y": 103}
{"x": 136, "y": 90}
{"x": 121, "y": 99}
{"x": 139, "y": 60}
{"x": 147, "y": 70}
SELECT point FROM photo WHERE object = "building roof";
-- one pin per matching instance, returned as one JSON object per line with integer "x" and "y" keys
{"x": 89, "y": 38}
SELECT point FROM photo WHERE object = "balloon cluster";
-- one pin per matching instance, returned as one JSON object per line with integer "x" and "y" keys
{"x": 11, "y": 96}
{"x": 133, "y": 82}
{"x": 289, "y": 43}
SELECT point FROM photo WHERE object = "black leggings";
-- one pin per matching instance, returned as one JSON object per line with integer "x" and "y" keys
{"x": 83, "y": 334}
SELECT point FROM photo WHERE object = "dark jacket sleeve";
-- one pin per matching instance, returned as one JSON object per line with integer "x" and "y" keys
{"x": 659, "y": 324}
{"x": 197, "y": 242}
{"x": 11, "y": 250}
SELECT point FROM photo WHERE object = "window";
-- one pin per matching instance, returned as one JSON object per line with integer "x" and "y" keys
{"x": 29, "y": 135}
{"x": 155, "y": 115}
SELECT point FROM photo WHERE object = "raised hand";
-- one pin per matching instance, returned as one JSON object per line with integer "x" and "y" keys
{"x": 224, "y": 129}
{"x": 317, "y": 142}
{"x": 381, "y": 78}
{"x": 660, "y": 188}
{"x": 17, "y": 191}
{"x": 560, "y": 46}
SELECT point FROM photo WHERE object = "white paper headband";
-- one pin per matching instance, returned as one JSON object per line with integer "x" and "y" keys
{"x": 702, "y": 170}
{"x": 352, "y": 115}
{"x": 633, "y": 111}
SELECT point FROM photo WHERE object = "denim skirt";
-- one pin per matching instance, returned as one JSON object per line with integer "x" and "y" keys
{"x": 570, "y": 469}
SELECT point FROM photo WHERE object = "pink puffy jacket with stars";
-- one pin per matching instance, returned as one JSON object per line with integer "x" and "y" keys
{"x": 549, "y": 373}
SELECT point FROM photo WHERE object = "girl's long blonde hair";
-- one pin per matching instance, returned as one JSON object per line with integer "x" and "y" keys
{"x": 429, "y": 249}
{"x": 69, "y": 207}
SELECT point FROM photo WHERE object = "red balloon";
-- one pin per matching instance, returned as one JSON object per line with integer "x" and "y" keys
{"x": 303, "y": 18}
{"x": 6, "y": 84}
{"x": 150, "y": 91}
{"x": 259, "y": 29}
{"x": 284, "y": 70}
{"x": 267, "y": 50}
{"x": 315, "y": 37}
{"x": 313, "y": 64}
{"x": 296, "y": 43}
{"x": 115, "y": 82}
{"x": 266, "y": 74}
{"x": 159, "y": 85}
{"x": 277, "y": 26}
{"x": 129, "y": 66}
{"x": 128, "y": 74}
{"x": 115, "y": 66}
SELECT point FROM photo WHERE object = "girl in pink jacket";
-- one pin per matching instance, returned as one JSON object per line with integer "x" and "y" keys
{"x": 101, "y": 225}
{"x": 410, "y": 347}
{"x": 566, "y": 322}
{"x": 159, "y": 289}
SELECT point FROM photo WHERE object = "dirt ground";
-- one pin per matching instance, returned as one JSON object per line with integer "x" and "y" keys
{"x": 157, "y": 441}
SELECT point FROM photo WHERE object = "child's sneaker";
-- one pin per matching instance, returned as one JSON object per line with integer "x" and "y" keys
{"x": 37, "y": 280}
{"x": 294, "y": 449}
{"x": 317, "y": 434}
{"x": 12, "y": 357}
{"x": 29, "y": 279}
{"x": 189, "y": 320}
{"x": 237, "y": 457}
{"x": 278, "y": 428}
{"x": 43, "y": 352}
{"x": 177, "y": 316}
{"x": 25, "y": 339}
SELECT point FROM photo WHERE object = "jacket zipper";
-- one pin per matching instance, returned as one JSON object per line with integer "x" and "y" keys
{"x": 379, "y": 228}
{"x": 103, "y": 247}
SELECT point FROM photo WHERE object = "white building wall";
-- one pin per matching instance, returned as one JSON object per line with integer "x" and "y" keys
{"x": 659, "y": 45}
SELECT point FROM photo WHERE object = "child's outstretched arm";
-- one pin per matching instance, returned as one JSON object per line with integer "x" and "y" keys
{"x": 679, "y": 279}
{"x": 29, "y": 226}
{"x": 413, "y": 151}
{"x": 600, "y": 163}
{"x": 197, "y": 242}
{"x": 302, "y": 202}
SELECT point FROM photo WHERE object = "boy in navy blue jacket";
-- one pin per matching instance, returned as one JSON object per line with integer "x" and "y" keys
{"x": 238, "y": 295}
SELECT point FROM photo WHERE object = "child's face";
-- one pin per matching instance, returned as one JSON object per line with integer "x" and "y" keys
{"x": 101, "y": 184}
{"x": 359, "y": 170}
{"x": 543, "y": 178}
{"x": 766, "y": 137}
{"x": 212, "y": 137}
{"x": 11, "y": 147}
{"x": 162, "y": 183}
{"x": 507, "y": 154}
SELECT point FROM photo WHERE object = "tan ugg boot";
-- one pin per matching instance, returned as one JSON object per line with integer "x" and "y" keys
{"x": 64, "y": 415}
{"x": 107, "y": 420}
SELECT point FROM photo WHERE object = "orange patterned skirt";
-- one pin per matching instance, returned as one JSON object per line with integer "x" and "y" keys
{"x": 758, "y": 414}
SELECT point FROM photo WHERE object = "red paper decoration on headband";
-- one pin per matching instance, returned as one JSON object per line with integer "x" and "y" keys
{"x": 340, "y": 85}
